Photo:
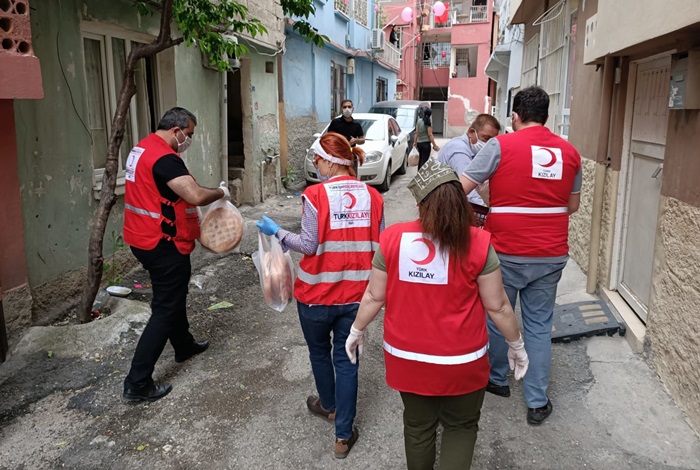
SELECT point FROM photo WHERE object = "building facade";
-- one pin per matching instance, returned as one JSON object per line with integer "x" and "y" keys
{"x": 355, "y": 63}
{"x": 454, "y": 50}
{"x": 61, "y": 140}
{"x": 624, "y": 78}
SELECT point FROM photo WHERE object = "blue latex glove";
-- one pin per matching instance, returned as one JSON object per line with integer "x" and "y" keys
{"x": 267, "y": 226}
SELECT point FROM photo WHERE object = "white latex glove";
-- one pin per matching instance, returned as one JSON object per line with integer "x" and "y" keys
{"x": 355, "y": 342}
{"x": 227, "y": 193}
{"x": 517, "y": 357}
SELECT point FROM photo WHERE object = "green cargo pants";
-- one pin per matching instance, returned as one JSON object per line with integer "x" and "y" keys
{"x": 459, "y": 417}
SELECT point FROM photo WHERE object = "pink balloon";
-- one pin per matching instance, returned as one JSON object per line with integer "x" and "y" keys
{"x": 439, "y": 8}
{"x": 407, "y": 14}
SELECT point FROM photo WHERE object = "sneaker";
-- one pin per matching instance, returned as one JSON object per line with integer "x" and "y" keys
{"x": 342, "y": 447}
{"x": 537, "y": 415}
{"x": 500, "y": 390}
{"x": 314, "y": 405}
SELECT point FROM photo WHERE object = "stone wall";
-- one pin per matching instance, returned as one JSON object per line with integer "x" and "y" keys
{"x": 607, "y": 227}
{"x": 674, "y": 320}
{"x": 580, "y": 222}
{"x": 300, "y": 131}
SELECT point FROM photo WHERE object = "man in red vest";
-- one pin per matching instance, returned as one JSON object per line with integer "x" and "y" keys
{"x": 161, "y": 224}
{"x": 535, "y": 179}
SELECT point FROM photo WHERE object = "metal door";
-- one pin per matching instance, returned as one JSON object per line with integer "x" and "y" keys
{"x": 644, "y": 177}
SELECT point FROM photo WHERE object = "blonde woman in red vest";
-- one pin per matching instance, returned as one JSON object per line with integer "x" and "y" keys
{"x": 436, "y": 276}
{"x": 340, "y": 226}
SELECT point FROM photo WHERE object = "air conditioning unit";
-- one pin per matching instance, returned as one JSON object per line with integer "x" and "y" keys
{"x": 399, "y": 95}
{"x": 399, "y": 81}
{"x": 378, "y": 39}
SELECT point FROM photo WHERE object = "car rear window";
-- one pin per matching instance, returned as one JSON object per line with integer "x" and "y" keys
{"x": 404, "y": 116}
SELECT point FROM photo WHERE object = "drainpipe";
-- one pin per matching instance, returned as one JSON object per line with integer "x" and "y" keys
{"x": 599, "y": 180}
{"x": 223, "y": 119}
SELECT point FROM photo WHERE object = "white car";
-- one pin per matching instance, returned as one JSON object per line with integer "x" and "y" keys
{"x": 386, "y": 147}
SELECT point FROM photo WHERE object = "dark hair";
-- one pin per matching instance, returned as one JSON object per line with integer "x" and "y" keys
{"x": 176, "y": 117}
{"x": 346, "y": 101}
{"x": 532, "y": 105}
{"x": 445, "y": 215}
{"x": 427, "y": 112}
{"x": 484, "y": 120}
{"x": 338, "y": 146}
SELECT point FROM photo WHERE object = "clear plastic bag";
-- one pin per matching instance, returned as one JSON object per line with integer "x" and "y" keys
{"x": 221, "y": 227}
{"x": 276, "y": 271}
{"x": 413, "y": 157}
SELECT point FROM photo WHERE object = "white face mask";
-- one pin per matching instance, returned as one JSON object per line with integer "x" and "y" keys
{"x": 477, "y": 146}
{"x": 185, "y": 144}
{"x": 347, "y": 112}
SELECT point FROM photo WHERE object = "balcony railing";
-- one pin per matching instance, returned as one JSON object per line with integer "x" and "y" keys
{"x": 342, "y": 6}
{"x": 391, "y": 55}
{"x": 437, "y": 55}
{"x": 473, "y": 14}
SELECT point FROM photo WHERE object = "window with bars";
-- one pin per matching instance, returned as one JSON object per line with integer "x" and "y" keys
{"x": 360, "y": 11}
{"x": 568, "y": 87}
{"x": 437, "y": 55}
{"x": 382, "y": 86}
{"x": 105, "y": 61}
{"x": 465, "y": 62}
{"x": 552, "y": 66}
{"x": 342, "y": 6}
{"x": 530, "y": 60}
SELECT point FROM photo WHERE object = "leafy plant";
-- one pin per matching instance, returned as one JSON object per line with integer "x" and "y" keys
{"x": 290, "y": 177}
{"x": 111, "y": 268}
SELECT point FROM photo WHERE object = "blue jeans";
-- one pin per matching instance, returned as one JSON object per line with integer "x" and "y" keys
{"x": 537, "y": 286}
{"x": 335, "y": 375}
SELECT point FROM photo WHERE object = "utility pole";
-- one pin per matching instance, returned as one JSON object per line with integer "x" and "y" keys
{"x": 419, "y": 52}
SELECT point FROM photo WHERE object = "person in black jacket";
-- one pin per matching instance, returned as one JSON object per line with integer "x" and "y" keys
{"x": 394, "y": 35}
{"x": 346, "y": 126}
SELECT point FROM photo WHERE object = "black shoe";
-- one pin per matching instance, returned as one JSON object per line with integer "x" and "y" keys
{"x": 537, "y": 415}
{"x": 500, "y": 390}
{"x": 196, "y": 348}
{"x": 152, "y": 393}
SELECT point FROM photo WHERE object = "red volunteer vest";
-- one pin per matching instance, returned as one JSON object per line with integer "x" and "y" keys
{"x": 435, "y": 337}
{"x": 142, "y": 202}
{"x": 349, "y": 215}
{"x": 530, "y": 193}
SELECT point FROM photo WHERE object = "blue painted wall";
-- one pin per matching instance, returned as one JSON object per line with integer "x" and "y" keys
{"x": 306, "y": 68}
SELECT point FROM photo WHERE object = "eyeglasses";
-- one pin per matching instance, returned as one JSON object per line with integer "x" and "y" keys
{"x": 347, "y": 107}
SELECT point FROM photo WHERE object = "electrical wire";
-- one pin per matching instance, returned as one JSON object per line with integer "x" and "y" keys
{"x": 60, "y": 65}
{"x": 545, "y": 19}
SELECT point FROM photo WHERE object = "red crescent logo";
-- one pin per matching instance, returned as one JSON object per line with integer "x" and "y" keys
{"x": 431, "y": 251}
{"x": 353, "y": 200}
{"x": 550, "y": 162}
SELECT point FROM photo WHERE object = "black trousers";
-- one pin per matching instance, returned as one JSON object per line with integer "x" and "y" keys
{"x": 170, "y": 273}
{"x": 423, "y": 153}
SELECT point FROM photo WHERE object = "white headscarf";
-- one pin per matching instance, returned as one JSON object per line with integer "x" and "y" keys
{"x": 323, "y": 154}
